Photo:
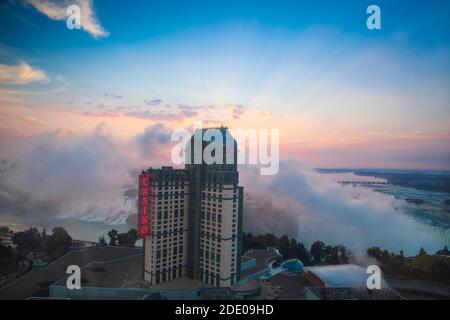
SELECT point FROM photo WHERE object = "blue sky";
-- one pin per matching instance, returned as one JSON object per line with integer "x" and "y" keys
{"x": 143, "y": 20}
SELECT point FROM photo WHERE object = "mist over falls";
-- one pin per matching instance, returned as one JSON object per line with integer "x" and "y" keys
{"x": 310, "y": 206}
{"x": 94, "y": 178}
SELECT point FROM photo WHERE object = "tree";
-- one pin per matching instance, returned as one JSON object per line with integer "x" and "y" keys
{"x": 122, "y": 240}
{"x": 8, "y": 261}
{"x": 132, "y": 236}
{"x": 327, "y": 253}
{"x": 374, "y": 252}
{"x": 294, "y": 243}
{"x": 402, "y": 257}
{"x": 334, "y": 255}
{"x": 344, "y": 255}
{"x": 28, "y": 240}
{"x": 439, "y": 269}
{"x": 5, "y": 230}
{"x": 284, "y": 242}
{"x": 58, "y": 242}
{"x": 422, "y": 252}
{"x": 44, "y": 240}
{"x": 303, "y": 255}
{"x": 113, "y": 237}
{"x": 317, "y": 251}
{"x": 385, "y": 257}
{"x": 127, "y": 239}
{"x": 101, "y": 241}
{"x": 270, "y": 240}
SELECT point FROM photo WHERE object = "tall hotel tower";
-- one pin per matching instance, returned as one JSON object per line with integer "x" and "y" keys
{"x": 191, "y": 219}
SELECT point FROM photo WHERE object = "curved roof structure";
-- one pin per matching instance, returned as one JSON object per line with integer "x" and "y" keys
{"x": 339, "y": 276}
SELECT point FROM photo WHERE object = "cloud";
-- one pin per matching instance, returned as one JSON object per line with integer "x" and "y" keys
{"x": 113, "y": 95}
{"x": 21, "y": 73}
{"x": 158, "y": 133}
{"x": 237, "y": 111}
{"x": 153, "y": 102}
{"x": 102, "y": 106}
{"x": 154, "y": 141}
{"x": 178, "y": 115}
{"x": 150, "y": 115}
{"x": 188, "y": 112}
{"x": 56, "y": 10}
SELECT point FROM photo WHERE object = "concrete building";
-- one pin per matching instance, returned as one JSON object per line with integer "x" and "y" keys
{"x": 344, "y": 282}
{"x": 339, "y": 276}
{"x": 163, "y": 199}
{"x": 191, "y": 219}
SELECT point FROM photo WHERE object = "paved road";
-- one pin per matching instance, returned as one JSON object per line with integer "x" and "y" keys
{"x": 420, "y": 287}
{"x": 36, "y": 282}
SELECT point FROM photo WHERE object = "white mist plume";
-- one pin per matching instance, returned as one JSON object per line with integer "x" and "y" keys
{"x": 308, "y": 206}
{"x": 87, "y": 177}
